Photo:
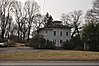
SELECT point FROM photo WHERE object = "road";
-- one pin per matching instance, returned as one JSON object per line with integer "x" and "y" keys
{"x": 41, "y": 63}
{"x": 49, "y": 63}
{"x": 18, "y": 49}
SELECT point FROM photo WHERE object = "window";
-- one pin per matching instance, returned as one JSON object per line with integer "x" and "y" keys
{"x": 54, "y": 41}
{"x": 61, "y": 41}
{"x": 66, "y": 33}
{"x": 66, "y": 40}
{"x": 54, "y": 33}
{"x": 46, "y": 31}
{"x": 61, "y": 33}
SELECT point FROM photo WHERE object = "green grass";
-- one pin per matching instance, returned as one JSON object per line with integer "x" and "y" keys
{"x": 51, "y": 55}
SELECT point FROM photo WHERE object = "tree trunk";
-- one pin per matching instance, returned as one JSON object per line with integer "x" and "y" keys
{"x": 29, "y": 32}
{"x": 3, "y": 31}
{"x": 18, "y": 35}
{"x": 23, "y": 36}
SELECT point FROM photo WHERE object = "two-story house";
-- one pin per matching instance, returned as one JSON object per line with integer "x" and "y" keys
{"x": 56, "y": 32}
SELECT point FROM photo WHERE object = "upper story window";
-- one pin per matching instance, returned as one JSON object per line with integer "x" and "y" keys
{"x": 54, "y": 33}
{"x": 67, "y": 34}
{"x": 61, "y": 33}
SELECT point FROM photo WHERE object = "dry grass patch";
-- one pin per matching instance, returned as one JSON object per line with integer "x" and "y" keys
{"x": 51, "y": 55}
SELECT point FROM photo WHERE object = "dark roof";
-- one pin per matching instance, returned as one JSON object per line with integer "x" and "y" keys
{"x": 50, "y": 27}
{"x": 57, "y": 22}
{"x": 59, "y": 26}
{"x": 55, "y": 25}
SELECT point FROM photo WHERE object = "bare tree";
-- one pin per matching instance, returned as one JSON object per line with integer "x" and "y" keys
{"x": 19, "y": 18}
{"x": 24, "y": 27}
{"x": 8, "y": 28}
{"x": 32, "y": 9}
{"x": 18, "y": 15}
{"x": 5, "y": 8}
{"x": 92, "y": 15}
{"x": 38, "y": 21}
{"x": 73, "y": 19}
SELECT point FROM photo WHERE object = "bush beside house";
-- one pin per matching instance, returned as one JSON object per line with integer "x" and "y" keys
{"x": 74, "y": 44}
{"x": 38, "y": 42}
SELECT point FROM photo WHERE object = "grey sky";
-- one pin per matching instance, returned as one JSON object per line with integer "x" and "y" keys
{"x": 57, "y": 7}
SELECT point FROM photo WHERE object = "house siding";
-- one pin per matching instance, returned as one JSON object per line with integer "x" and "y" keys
{"x": 50, "y": 35}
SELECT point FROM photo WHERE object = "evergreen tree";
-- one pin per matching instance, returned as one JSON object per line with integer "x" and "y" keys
{"x": 90, "y": 35}
{"x": 48, "y": 20}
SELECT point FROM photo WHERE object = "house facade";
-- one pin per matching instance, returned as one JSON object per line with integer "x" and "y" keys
{"x": 56, "y": 32}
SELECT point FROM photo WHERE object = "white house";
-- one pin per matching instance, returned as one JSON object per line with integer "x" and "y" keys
{"x": 57, "y": 33}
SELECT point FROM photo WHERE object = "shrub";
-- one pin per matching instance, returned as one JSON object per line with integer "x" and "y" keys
{"x": 49, "y": 45}
{"x": 37, "y": 42}
{"x": 75, "y": 43}
{"x": 3, "y": 40}
{"x": 68, "y": 45}
{"x": 11, "y": 44}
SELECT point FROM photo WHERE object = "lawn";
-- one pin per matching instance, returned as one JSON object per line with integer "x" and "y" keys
{"x": 61, "y": 55}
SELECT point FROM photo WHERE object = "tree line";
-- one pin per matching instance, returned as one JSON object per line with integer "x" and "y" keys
{"x": 85, "y": 28}
{"x": 19, "y": 21}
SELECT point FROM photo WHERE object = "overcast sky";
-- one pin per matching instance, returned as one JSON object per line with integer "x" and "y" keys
{"x": 57, "y": 7}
